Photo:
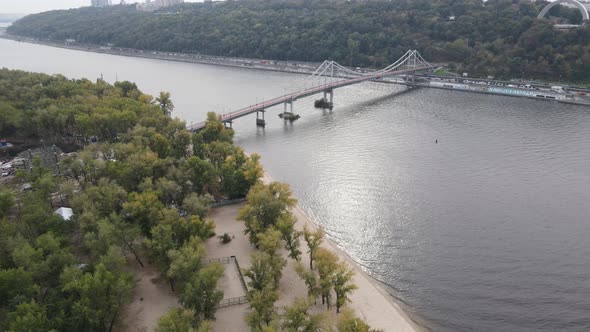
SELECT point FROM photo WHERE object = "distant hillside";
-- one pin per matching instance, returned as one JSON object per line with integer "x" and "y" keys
{"x": 498, "y": 37}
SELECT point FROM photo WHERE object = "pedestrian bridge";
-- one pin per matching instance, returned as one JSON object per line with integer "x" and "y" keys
{"x": 329, "y": 76}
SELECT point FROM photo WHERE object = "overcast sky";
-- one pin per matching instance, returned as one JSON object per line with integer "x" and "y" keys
{"x": 36, "y": 6}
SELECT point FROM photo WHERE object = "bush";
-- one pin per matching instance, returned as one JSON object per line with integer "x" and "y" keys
{"x": 225, "y": 238}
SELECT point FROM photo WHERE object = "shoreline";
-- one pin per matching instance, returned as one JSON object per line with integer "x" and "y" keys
{"x": 287, "y": 66}
{"x": 370, "y": 301}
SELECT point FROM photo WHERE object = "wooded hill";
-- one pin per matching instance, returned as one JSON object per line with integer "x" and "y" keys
{"x": 498, "y": 37}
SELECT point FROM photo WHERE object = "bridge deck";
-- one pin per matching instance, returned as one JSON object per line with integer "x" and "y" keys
{"x": 305, "y": 93}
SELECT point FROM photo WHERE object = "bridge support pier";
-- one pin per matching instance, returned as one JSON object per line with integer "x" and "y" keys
{"x": 290, "y": 107}
{"x": 331, "y": 93}
{"x": 260, "y": 122}
{"x": 228, "y": 124}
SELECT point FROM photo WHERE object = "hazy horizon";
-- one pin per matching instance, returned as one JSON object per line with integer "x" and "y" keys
{"x": 37, "y": 6}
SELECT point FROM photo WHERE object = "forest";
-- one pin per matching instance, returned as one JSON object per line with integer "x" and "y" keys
{"x": 502, "y": 38}
{"x": 140, "y": 193}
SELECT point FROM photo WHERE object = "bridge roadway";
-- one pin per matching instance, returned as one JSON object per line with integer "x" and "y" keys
{"x": 289, "y": 98}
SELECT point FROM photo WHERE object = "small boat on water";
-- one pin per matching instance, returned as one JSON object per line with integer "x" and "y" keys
{"x": 289, "y": 116}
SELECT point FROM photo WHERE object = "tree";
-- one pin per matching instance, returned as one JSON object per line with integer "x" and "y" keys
{"x": 215, "y": 130}
{"x": 297, "y": 318}
{"x": 114, "y": 231}
{"x": 348, "y": 322}
{"x": 126, "y": 88}
{"x": 286, "y": 225}
{"x": 180, "y": 320}
{"x": 259, "y": 273}
{"x": 342, "y": 281}
{"x": 266, "y": 204}
{"x": 29, "y": 316}
{"x": 45, "y": 259}
{"x": 199, "y": 172}
{"x": 6, "y": 202}
{"x": 180, "y": 144}
{"x": 262, "y": 310}
{"x": 270, "y": 244}
{"x": 177, "y": 320}
{"x": 326, "y": 264}
{"x": 102, "y": 200}
{"x": 16, "y": 285}
{"x": 169, "y": 191}
{"x": 186, "y": 261}
{"x": 145, "y": 209}
{"x": 239, "y": 173}
{"x": 97, "y": 297}
{"x": 194, "y": 204}
{"x": 158, "y": 246}
{"x": 165, "y": 103}
{"x": 313, "y": 240}
{"x": 311, "y": 281}
{"x": 200, "y": 293}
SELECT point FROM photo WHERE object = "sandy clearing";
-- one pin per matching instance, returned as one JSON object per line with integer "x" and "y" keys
{"x": 230, "y": 318}
{"x": 152, "y": 298}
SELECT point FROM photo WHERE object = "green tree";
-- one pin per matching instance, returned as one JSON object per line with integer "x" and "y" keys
{"x": 343, "y": 286}
{"x": 16, "y": 285}
{"x": 200, "y": 293}
{"x": 6, "y": 203}
{"x": 270, "y": 244}
{"x": 348, "y": 322}
{"x": 215, "y": 130}
{"x": 145, "y": 209}
{"x": 29, "y": 316}
{"x": 311, "y": 281}
{"x": 177, "y": 320}
{"x": 181, "y": 143}
{"x": 186, "y": 261}
{"x": 298, "y": 318}
{"x": 180, "y": 320}
{"x": 45, "y": 259}
{"x": 286, "y": 225}
{"x": 114, "y": 231}
{"x": 97, "y": 297}
{"x": 313, "y": 240}
{"x": 259, "y": 273}
{"x": 266, "y": 204}
{"x": 262, "y": 310}
{"x": 165, "y": 103}
{"x": 197, "y": 205}
{"x": 326, "y": 264}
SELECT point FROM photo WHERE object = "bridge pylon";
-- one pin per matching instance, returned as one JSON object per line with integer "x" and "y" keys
{"x": 260, "y": 122}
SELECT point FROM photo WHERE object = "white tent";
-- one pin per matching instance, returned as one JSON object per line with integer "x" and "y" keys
{"x": 65, "y": 213}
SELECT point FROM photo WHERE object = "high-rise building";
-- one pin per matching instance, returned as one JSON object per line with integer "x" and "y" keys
{"x": 157, "y": 4}
{"x": 100, "y": 3}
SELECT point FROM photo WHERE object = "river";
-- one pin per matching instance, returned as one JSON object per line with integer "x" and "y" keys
{"x": 486, "y": 230}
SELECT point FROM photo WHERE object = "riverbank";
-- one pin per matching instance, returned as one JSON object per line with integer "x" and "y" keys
{"x": 370, "y": 301}
{"x": 293, "y": 67}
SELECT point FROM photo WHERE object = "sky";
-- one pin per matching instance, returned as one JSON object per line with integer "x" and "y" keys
{"x": 36, "y": 6}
